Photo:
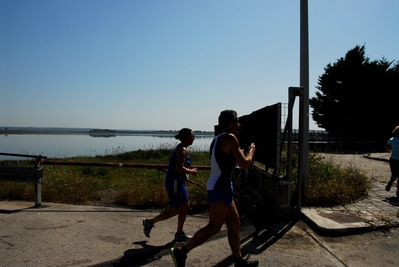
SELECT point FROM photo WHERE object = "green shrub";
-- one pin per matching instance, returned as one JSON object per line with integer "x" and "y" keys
{"x": 332, "y": 184}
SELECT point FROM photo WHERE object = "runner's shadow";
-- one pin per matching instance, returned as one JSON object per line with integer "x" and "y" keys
{"x": 143, "y": 255}
{"x": 259, "y": 239}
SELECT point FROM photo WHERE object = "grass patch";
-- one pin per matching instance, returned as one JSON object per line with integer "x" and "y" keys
{"x": 133, "y": 187}
{"x": 333, "y": 184}
{"x": 140, "y": 188}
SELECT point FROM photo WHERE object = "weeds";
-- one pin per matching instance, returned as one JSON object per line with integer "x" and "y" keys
{"x": 139, "y": 188}
{"x": 331, "y": 184}
{"x": 134, "y": 187}
{"x": 387, "y": 221}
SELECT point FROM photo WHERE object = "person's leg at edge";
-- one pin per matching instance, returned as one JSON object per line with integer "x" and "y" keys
{"x": 393, "y": 165}
{"x": 217, "y": 215}
{"x": 397, "y": 186}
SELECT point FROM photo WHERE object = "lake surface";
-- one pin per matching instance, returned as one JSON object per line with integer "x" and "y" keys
{"x": 71, "y": 145}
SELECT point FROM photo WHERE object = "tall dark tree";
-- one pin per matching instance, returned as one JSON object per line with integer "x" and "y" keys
{"x": 357, "y": 98}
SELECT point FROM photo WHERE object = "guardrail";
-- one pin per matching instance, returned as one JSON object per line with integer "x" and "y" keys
{"x": 25, "y": 174}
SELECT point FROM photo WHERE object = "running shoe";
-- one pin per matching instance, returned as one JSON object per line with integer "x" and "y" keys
{"x": 388, "y": 187}
{"x": 179, "y": 258}
{"x": 246, "y": 263}
{"x": 179, "y": 237}
{"x": 147, "y": 227}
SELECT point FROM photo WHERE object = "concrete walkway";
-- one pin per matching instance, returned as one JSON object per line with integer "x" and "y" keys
{"x": 380, "y": 209}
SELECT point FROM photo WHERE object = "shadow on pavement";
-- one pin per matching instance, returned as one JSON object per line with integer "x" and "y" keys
{"x": 254, "y": 239}
{"x": 141, "y": 256}
{"x": 257, "y": 242}
{"x": 394, "y": 201}
{"x": 144, "y": 255}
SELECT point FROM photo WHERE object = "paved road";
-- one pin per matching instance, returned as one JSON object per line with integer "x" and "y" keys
{"x": 378, "y": 248}
{"x": 65, "y": 235}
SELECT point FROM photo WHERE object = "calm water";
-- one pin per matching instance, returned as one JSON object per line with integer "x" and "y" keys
{"x": 64, "y": 146}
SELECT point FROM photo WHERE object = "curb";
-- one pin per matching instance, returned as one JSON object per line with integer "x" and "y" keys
{"x": 326, "y": 227}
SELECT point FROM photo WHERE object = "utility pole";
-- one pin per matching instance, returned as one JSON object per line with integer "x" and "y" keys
{"x": 303, "y": 164}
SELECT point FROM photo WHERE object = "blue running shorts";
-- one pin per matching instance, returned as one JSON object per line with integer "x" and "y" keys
{"x": 225, "y": 194}
{"x": 176, "y": 200}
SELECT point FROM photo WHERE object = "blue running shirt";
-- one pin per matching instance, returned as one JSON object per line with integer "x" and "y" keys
{"x": 394, "y": 143}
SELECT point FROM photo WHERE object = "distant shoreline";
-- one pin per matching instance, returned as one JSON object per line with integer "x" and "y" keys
{"x": 89, "y": 131}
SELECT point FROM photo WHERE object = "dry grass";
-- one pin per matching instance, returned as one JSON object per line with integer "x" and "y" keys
{"x": 133, "y": 187}
{"x": 329, "y": 184}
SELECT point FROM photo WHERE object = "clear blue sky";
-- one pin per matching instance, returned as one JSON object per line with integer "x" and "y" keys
{"x": 144, "y": 64}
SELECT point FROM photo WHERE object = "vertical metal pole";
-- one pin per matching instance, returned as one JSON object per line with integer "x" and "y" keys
{"x": 38, "y": 193}
{"x": 293, "y": 93}
{"x": 303, "y": 167}
{"x": 291, "y": 100}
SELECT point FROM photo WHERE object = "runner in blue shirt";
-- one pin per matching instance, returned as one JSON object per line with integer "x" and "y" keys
{"x": 178, "y": 171}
